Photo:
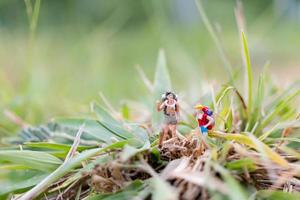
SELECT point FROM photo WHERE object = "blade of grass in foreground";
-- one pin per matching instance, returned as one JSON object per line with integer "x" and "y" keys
{"x": 33, "y": 159}
{"x": 275, "y": 195}
{"x": 236, "y": 191}
{"x": 55, "y": 146}
{"x": 18, "y": 186}
{"x": 243, "y": 139}
{"x": 241, "y": 164}
{"x": 162, "y": 189}
{"x": 130, "y": 151}
{"x": 65, "y": 168}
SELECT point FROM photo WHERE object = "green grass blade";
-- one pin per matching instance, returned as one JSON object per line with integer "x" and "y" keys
{"x": 130, "y": 151}
{"x": 119, "y": 128}
{"x": 35, "y": 15}
{"x": 248, "y": 71}
{"x": 162, "y": 189}
{"x": 283, "y": 95}
{"x": 243, "y": 139}
{"x": 284, "y": 139}
{"x": 14, "y": 167}
{"x": 279, "y": 108}
{"x": 223, "y": 93}
{"x": 229, "y": 120}
{"x": 33, "y": 159}
{"x": 66, "y": 167}
{"x": 110, "y": 123}
{"x": 257, "y": 110}
{"x": 289, "y": 124}
{"x": 236, "y": 192}
{"x": 20, "y": 186}
{"x": 241, "y": 164}
{"x": 276, "y": 195}
{"x": 215, "y": 38}
{"x": 55, "y": 146}
{"x": 103, "y": 115}
{"x": 93, "y": 130}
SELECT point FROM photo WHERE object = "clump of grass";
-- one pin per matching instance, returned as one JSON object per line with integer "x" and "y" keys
{"x": 117, "y": 159}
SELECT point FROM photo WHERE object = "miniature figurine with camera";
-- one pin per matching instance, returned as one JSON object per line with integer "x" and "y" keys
{"x": 170, "y": 107}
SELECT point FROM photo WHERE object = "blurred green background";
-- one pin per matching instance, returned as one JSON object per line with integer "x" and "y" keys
{"x": 80, "y": 48}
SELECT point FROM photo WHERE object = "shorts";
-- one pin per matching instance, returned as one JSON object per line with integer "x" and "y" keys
{"x": 203, "y": 130}
{"x": 170, "y": 119}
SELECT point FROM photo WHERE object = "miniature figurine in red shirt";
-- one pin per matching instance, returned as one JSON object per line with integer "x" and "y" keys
{"x": 205, "y": 120}
{"x": 170, "y": 107}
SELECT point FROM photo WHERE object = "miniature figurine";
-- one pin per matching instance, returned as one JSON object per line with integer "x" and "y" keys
{"x": 205, "y": 121}
{"x": 169, "y": 104}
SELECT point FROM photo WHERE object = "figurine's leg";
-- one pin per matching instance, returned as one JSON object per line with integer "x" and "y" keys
{"x": 166, "y": 132}
{"x": 204, "y": 133}
{"x": 173, "y": 130}
{"x": 163, "y": 135}
{"x": 196, "y": 140}
{"x": 201, "y": 146}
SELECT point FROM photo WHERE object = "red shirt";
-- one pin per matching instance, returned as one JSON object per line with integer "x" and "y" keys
{"x": 203, "y": 121}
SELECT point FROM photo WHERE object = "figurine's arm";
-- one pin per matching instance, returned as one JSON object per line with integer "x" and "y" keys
{"x": 177, "y": 108}
{"x": 210, "y": 121}
{"x": 197, "y": 115}
{"x": 159, "y": 105}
